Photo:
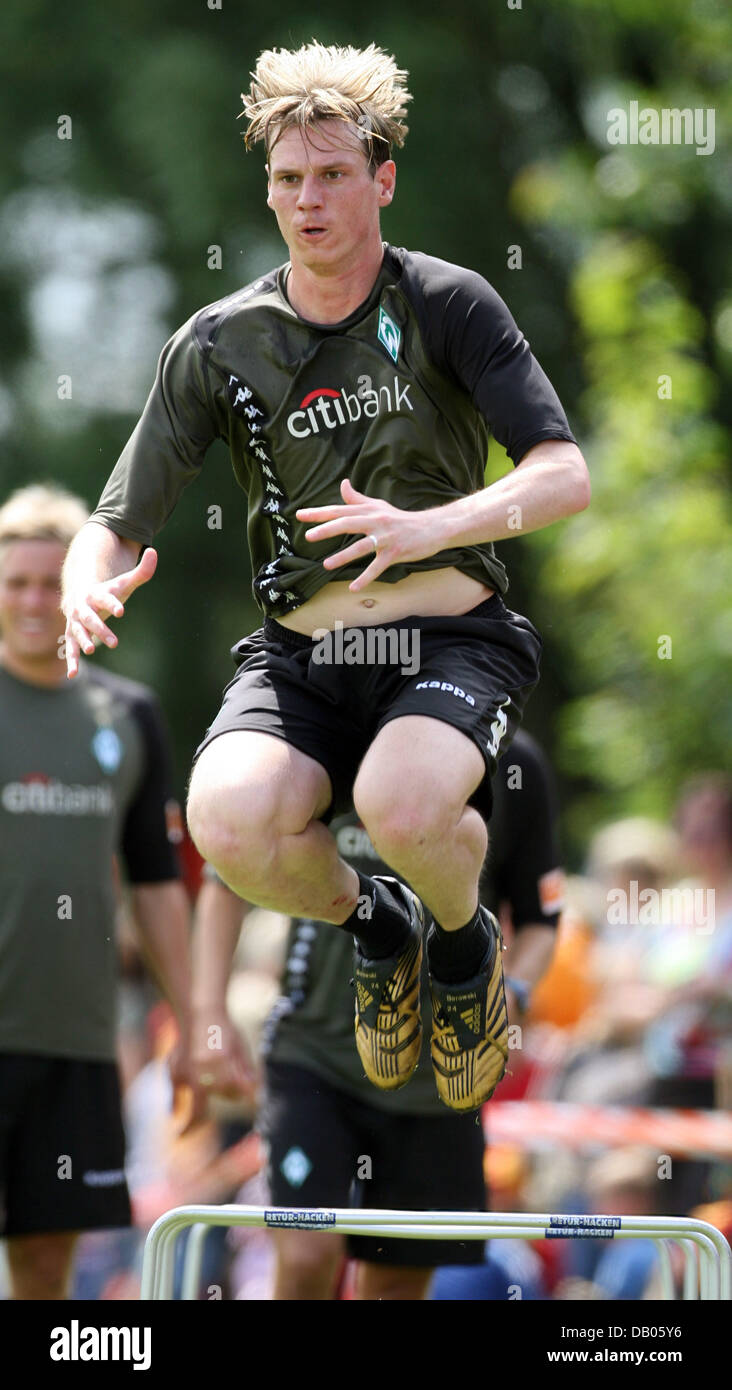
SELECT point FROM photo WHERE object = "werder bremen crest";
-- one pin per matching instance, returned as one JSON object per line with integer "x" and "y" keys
{"x": 389, "y": 334}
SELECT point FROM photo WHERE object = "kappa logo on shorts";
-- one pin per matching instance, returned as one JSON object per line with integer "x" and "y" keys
{"x": 447, "y": 689}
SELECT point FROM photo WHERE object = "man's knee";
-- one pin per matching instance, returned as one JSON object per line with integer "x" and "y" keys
{"x": 246, "y": 792}
{"x": 403, "y": 822}
{"x": 224, "y": 832}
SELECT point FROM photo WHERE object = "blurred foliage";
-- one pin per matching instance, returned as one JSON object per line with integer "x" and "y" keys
{"x": 624, "y": 280}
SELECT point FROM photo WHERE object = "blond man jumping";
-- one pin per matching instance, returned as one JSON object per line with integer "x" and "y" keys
{"x": 356, "y": 385}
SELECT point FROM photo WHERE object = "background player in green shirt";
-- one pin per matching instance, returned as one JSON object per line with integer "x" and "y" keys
{"x": 357, "y": 386}
{"x": 84, "y": 777}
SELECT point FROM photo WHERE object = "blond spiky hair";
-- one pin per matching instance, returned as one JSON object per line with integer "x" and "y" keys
{"x": 41, "y": 512}
{"x": 314, "y": 83}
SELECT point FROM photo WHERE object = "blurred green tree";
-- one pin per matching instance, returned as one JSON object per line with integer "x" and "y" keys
{"x": 108, "y": 241}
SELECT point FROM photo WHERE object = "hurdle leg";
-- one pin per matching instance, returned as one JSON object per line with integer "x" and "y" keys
{"x": 150, "y": 1260}
{"x": 193, "y": 1261}
{"x": 706, "y": 1254}
{"x": 664, "y": 1262}
{"x": 166, "y": 1285}
{"x": 723, "y": 1261}
{"x": 691, "y": 1269}
{"x": 160, "y": 1288}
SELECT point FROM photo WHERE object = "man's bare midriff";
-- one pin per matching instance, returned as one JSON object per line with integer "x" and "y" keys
{"x": 431, "y": 594}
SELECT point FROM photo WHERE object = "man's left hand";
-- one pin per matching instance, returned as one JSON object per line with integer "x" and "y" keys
{"x": 401, "y": 537}
{"x": 190, "y": 1099}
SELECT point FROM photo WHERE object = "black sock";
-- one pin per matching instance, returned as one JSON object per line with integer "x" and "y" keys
{"x": 456, "y": 956}
{"x": 380, "y": 920}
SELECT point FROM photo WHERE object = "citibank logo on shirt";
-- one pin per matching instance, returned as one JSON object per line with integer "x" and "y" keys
{"x": 326, "y": 408}
{"x": 46, "y": 796}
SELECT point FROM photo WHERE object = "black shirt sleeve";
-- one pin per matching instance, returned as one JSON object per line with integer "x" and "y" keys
{"x": 523, "y": 866}
{"x": 167, "y": 447}
{"x": 148, "y": 853}
{"x": 471, "y": 333}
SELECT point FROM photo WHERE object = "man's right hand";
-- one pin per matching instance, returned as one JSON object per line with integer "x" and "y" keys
{"x": 86, "y": 608}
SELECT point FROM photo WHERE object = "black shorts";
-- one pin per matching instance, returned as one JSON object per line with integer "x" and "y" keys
{"x": 320, "y": 1137}
{"x": 62, "y": 1146}
{"x": 474, "y": 672}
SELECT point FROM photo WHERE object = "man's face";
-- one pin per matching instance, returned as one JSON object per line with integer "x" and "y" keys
{"x": 325, "y": 198}
{"x": 31, "y": 621}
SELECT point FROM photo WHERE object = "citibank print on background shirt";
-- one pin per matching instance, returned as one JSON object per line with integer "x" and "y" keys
{"x": 82, "y": 778}
{"x": 401, "y": 397}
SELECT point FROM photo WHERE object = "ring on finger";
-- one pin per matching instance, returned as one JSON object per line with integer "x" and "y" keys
{"x": 374, "y": 542}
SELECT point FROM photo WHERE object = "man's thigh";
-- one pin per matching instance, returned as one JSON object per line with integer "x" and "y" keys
{"x": 245, "y": 776}
{"x": 63, "y": 1146}
{"x": 475, "y": 675}
{"x": 277, "y": 692}
{"x": 421, "y": 761}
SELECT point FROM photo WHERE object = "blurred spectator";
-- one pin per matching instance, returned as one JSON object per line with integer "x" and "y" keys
{"x": 690, "y": 1043}
{"x": 629, "y": 864}
{"x": 623, "y": 1182}
{"x": 659, "y": 1031}
{"x": 569, "y": 987}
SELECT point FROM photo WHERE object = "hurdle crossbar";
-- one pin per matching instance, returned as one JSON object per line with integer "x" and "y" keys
{"x": 707, "y": 1255}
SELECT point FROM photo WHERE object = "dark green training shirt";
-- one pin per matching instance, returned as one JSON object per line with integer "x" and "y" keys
{"x": 84, "y": 776}
{"x": 400, "y": 397}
